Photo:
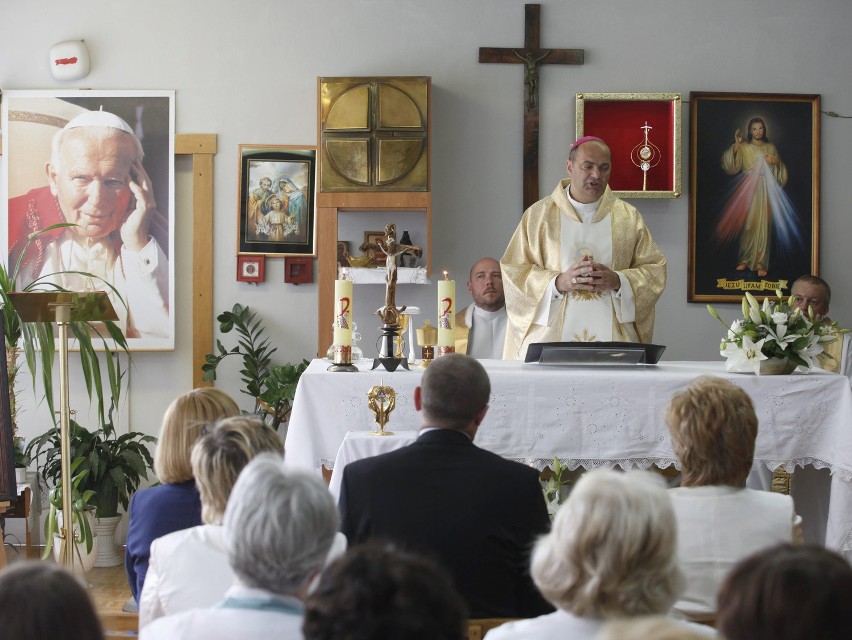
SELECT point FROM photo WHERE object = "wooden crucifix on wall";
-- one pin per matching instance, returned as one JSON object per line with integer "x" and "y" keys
{"x": 532, "y": 56}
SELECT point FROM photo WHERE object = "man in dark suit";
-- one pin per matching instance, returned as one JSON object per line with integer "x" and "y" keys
{"x": 476, "y": 512}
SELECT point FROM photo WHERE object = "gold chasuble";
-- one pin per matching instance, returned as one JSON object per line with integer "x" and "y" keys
{"x": 534, "y": 258}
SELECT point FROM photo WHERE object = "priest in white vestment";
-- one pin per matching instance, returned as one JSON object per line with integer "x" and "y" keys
{"x": 581, "y": 266}
{"x": 481, "y": 327}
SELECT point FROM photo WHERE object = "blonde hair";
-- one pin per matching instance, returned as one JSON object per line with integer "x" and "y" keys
{"x": 612, "y": 549}
{"x": 182, "y": 423}
{"x": 713, "y": 429}
{"x": 221, "y": 453}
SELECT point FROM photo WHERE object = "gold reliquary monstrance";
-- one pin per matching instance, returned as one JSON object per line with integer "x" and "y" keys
{"x": 381, "y": 400}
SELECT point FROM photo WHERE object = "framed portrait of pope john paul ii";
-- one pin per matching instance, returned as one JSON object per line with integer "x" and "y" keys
{"x": 754, "y": 177}
{"x": 103, "y": 161}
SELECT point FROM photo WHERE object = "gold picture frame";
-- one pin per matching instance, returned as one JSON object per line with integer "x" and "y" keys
{"x": 738, "y": 244}
{"x": 641, "y": 129}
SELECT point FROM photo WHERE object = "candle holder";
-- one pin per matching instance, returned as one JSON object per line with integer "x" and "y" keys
{"x": 342, "y": 360}
{"x": 386, "y": 346}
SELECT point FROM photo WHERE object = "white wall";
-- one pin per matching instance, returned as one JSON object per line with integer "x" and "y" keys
{"x": 247, "y": 71}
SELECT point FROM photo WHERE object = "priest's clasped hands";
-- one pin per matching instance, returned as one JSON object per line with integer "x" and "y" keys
{"x": 587, "y": 275}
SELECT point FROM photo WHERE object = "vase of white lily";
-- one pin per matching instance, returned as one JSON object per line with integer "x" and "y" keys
{"x": 774, "y": 338}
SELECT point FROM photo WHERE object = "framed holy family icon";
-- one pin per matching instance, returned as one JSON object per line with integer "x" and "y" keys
{"x": 754, "y": 181}
{"x": 276, "y": 200}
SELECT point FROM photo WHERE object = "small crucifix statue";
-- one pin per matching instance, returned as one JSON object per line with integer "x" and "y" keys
{"x": 531, "y": 56}
{"x": 388, "y": 245}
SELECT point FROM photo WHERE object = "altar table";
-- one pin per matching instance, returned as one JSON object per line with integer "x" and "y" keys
{"x": 599, "y": 417}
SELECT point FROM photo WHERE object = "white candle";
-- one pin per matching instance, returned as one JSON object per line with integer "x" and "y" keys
{"x": 343, "y": 312}
{"x": 446, "y": 311}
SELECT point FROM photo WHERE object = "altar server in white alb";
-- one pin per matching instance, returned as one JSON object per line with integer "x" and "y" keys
{"x": 481, "y": 327}
{"x": 581, "y": 266}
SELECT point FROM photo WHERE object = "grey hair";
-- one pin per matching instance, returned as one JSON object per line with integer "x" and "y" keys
{"x": 279, "y": 526}
{"x": 104, "y": 132}
{"x": 612, "y": 550}
{"x": 453, "y": 389}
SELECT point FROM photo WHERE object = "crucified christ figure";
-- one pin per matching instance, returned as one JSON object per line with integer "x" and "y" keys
{"x": 388, "y": 245}
{"x": 531, "y": 64}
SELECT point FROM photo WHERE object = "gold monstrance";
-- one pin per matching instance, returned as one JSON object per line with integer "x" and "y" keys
{"x": 381, "y": 400}
{"x": 645, "y": 155}
{"x": 64, "y": 307}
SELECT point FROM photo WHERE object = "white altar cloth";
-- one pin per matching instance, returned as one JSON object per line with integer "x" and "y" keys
{"x": 360, "y": 444}
{"x": 597, "y": 417}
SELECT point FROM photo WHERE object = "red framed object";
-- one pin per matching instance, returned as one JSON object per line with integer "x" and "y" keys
{"x": 251, "y": 268}
{"x": 299, "y": 270}
{"x": 621, "y": 120}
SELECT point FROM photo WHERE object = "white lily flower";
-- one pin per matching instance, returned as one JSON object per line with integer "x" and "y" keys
{"x": 779, "y": 334}
{"x": 750, "y": 354}
{"x": 765, "y": 306}
{"x": 754, "y": 316}
{"x": 779, "y": 317}
{"x": 809, "y": 353}
{"x": 752, "y": 301}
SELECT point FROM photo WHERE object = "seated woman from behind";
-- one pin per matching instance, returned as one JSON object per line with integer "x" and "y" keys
{"x": 279, "y": 528}
{"x": 609, "y": 555}
{"x": 714, "y": 428}
{"x": 173, "y": 504}
{"x": 787, "y": 592}
{"x": 189, "y": 568}
{"x": 41, "y": 601}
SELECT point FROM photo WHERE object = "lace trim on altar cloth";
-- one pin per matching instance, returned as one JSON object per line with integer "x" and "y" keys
{"x": 790, "y": 466}
{"x": 661, "y": 463}
{"x": 624, "y": 463}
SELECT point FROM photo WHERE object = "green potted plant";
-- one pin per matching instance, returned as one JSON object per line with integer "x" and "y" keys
{"x": 36, "y": 340}
{"x": 112, "y": 465}
{"x": 272, "y": 387}
{"x": 80, "y": 524}
{"x": 22, "y": 459}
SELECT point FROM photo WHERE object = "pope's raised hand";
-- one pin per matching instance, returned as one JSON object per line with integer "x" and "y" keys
{"x": 134, "y": 228}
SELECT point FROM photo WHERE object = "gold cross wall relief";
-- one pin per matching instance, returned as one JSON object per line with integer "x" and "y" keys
{"x": 374, "y": 134}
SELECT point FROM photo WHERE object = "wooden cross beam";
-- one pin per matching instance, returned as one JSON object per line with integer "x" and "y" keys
{"x": 531, "y": 56}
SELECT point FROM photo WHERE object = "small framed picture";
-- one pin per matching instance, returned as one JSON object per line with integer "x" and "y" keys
{"x": 379, "y": 257}
{"x": 276, "y": 202}
{"x": 342, "y": 253}
{"x": 251, "y": 268}
{"x": 298, "y": 270}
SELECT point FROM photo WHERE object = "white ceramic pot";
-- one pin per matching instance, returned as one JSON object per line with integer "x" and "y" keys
{"x": 104, "y": 529}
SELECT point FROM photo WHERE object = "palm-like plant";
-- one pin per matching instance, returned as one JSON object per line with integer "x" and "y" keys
{"x": 36, "y": 340}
